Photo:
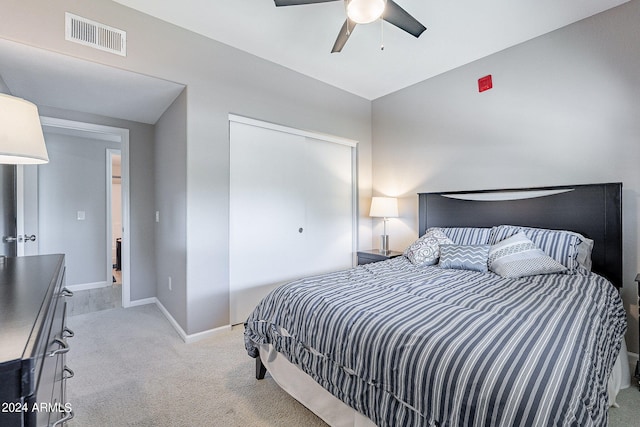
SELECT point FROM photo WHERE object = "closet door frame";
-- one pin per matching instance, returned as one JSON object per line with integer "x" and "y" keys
{"x": 352, "y": 144}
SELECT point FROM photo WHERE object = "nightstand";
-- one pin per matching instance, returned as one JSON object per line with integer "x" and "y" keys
{"x": 374, "y": 255}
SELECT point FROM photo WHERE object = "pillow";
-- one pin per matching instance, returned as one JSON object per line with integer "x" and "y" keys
{"x": 467, "y": 235}
{"x": 558, "y": 244}
{"x": 517, "y": 256}
{"x": 585, "y": 247}
{"x": 464, "y": 257}
{"x": 426, "y": 250}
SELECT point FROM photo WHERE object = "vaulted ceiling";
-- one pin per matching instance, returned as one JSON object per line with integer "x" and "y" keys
{"x": 301, "y": 37}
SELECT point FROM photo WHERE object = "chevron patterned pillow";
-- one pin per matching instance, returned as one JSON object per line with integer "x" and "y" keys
{"x": 464, "y": 257}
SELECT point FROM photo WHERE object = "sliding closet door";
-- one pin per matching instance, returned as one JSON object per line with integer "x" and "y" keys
{"x": 329, "y": 203}
{"x": 291, "y": 212}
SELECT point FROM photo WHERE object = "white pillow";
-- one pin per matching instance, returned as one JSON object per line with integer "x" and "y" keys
{"x": 558, "y": 244}
{"x": 517, "y": 256}
{"x": 426, "y": 250}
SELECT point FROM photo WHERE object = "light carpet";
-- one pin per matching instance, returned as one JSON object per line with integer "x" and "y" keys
{"x": 132, "y": 369}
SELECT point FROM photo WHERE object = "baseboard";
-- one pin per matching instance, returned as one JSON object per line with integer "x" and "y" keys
{"x": 143, "y": 301}
{"x": 186, "y": 337}
{"x": 206, "y": 334}
{"x": 633, "y": 357}
{"x": 87, "y": 286}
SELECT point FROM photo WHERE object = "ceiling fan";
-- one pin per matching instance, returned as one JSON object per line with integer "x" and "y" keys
{"x": 364, "y": 12}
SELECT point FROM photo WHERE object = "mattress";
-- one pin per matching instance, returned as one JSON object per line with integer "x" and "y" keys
{"x": 406, "y": 345}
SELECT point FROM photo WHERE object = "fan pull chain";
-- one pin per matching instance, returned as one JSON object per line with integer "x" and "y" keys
{"x": 381, "y": 34}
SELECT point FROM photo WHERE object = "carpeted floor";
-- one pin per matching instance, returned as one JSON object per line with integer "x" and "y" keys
{"x": 132, "y": 369}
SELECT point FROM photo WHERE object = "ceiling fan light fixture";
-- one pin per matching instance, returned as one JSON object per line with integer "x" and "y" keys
{"x": 365, "y": 11}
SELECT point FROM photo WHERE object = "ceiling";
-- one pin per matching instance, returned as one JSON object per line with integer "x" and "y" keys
{"x": 301, "y": 37}
{"x": 51, "y": 79}
{"x": 298, "y": 37}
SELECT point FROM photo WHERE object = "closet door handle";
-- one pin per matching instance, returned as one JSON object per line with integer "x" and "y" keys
{"x": 64, "y": 347}
{"x": 68, "y": 371}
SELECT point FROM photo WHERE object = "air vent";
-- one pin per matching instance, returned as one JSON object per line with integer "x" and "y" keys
{"x": 94, "y": 34}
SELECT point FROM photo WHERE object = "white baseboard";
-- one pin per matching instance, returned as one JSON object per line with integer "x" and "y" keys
{"x": 205, "y": 334}
{"x": 186, "y": 337}
{"x": 633, "y": 357}
{"x": 87, "y": 286}
{"x": 143, "y": 301}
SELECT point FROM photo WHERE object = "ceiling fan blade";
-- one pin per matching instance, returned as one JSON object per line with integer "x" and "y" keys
{"x": 297, "y": 2}
{"x": 399, "y": 17}
{"x": 343, "y": 35}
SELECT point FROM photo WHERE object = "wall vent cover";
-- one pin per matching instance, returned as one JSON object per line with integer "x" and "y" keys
{"x": 94, "y": 34}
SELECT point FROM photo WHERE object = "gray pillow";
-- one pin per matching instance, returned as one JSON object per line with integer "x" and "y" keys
{"x": 464, "y": 257}
{"x": 517, "y": 256}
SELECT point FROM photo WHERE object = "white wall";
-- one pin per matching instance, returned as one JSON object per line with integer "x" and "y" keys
{"x": 564, "y": 109}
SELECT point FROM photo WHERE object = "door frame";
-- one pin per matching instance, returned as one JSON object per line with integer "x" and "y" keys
{"x": 113, "y": 134}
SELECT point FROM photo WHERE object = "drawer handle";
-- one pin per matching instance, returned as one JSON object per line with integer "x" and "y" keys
{"x": 68, "y": 417}
{"x": 64, "y": 347}
{"x": 68, "y": 370}
{"x": 67, "y": 333}
{"x": 66, "y": 292}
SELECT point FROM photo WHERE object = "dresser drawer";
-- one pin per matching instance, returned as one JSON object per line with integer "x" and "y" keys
{"x": 52, "y": 366}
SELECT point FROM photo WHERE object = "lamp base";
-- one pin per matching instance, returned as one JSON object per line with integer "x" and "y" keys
{"x": 384, "y": 244}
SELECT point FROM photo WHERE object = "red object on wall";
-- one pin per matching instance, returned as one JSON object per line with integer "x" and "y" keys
{"x": 485, "y": 83}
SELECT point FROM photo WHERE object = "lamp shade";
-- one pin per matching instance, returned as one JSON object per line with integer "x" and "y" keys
{"x": 365, "y": 11}
{"x": 384, "y": 207}
{"x": 21, "y": 138}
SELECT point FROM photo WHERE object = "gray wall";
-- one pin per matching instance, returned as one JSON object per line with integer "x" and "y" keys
{"x": 141, "y": 194}
{"x": 75, "y": 180}
{"x": 171, "y": 204}
{"x": 220, "y": 80}
{"x": 564, "y": 109}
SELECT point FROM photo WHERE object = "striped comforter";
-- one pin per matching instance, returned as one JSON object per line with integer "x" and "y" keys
{"x": 409, "y": 346}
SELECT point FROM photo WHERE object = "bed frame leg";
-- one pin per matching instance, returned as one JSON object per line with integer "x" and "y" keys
{"x": 261, "y": 370}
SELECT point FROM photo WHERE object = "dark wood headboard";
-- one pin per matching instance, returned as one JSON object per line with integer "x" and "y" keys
{"x": 593, "y": 210}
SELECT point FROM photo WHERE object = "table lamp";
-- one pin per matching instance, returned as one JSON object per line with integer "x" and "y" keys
{"x": 21, "y": 139}
{"x": 385, "y": 208}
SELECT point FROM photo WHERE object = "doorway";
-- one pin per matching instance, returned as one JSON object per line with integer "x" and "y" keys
{"x": 118, "y": 141}
{"x": 114, "y": 208}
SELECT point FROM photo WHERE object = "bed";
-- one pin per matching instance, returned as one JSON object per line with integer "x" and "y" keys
{"x": 408, "y": 342}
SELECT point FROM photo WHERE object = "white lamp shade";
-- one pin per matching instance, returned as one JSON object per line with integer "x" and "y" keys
{"x": 365, "y": 11}
{"x": 384, "y": 207}
{"x": 21, "y": 138}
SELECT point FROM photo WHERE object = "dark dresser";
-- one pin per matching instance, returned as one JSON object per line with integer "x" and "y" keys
{"x": 33, "y": 342}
